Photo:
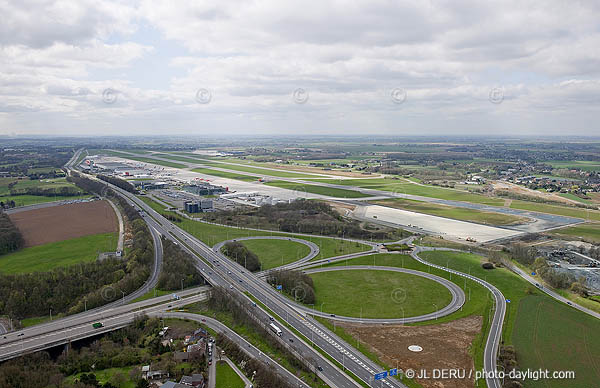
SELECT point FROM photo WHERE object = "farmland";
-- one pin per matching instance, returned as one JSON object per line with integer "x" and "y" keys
{"x": 558, "y": 338}
{"x": 25, "y": 186}
{"x": 57, "y": 223}
{"x": 58, "y": 254}
{"x": 336, "y": 293}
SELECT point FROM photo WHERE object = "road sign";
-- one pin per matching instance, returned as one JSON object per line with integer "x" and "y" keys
{"x": 507, "y": 300}
{"x": 533, "y": 274}
{"x": 393, "y": 372}
{"x": 381, "y": 375}
{"x": 279, "y": 286}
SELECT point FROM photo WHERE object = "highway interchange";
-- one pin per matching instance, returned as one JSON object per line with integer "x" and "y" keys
{"x": 306, "y": 334}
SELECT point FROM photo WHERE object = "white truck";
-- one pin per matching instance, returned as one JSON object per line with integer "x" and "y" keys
{"x": 275, "y": 329}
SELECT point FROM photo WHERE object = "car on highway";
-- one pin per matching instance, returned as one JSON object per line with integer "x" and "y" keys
{"x": 291, "y": 340}
{"x": 228, "y": 272}
{"x": 320, "y": 368}
{"x": 97, "y": 325}
{"x": 271, "y": 319}
{"x": 570, "y": 304}
{"x": 231, "y": 287}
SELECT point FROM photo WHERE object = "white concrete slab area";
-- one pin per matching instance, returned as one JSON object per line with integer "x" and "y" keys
{"x": 453, "y": 229}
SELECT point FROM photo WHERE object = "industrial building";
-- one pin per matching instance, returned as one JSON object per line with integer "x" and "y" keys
{"x": 203, "y": 205}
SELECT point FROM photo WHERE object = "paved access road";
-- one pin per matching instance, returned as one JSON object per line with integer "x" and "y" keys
{"x": 493, "y": 340}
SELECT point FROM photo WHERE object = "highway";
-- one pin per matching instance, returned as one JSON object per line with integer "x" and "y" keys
{"x": 78, "y": 326}
{"x": 233, "y": 277}
{"x": 493, "y": 340}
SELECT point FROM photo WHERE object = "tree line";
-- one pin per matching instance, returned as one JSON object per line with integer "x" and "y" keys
{"x": 11, "y": 238}
{"x": 123, "y": 184}
{"x": 241, "y": 310}
{"x": 302, "y": 216}
{"x": 65, "y": 191}
{"x": 241, "y": 255}
{"x": 295, "y": 283}
{"x": 178, "y": 268}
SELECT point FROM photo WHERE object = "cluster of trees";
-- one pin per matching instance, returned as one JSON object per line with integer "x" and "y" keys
{"x": 295, "y": 283}
{"x": 555, "y": 278}
{"x": 10, "y": 237}
{"x": 241, "y": 310}
{"x": 312, "y": 217}
{"x": 242, "y": 255}
{"x": 66, "y": 191}
{"x": 123, "y": 184}
{"x": 265, "y": 377}
{"x": 523, "y": 254}
{"x": 178, "y": 268}
{"x": 507, "y": 357}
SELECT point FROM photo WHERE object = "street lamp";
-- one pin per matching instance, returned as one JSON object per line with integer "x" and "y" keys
{"x": 123, "y": 297}
{"x": 322, "y": 307}
{"x": 436, "y": 310}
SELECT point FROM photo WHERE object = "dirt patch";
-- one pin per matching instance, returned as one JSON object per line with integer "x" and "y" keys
{"x": 445, "y": 346}
{"x": 58, "y": 223}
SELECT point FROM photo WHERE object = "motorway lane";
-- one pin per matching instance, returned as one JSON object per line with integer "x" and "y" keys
{"x": 458, "y": 296}
{"x": 242, "y": 281}
{"x": 21, "y": 343}
{"x": 493, "y": 340}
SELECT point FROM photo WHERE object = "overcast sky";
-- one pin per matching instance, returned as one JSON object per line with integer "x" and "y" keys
{"x": 85, "y": 67}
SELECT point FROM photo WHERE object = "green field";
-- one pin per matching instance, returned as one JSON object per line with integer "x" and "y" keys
{"x": 225, "y": 174}
{"x": 275, "y": 253}
{"x": 322, "y": 190}
{"x": 457, "y": 213}
{"x": 557, "y": 337}
{"x": 227, "y": 377}
{"x": 584, "y": 165}
{"x": 259, "y": 171}
{"x": 212, "y": 234}
{"x": 58, "y": 254}
{"x": 104, "y": 375}
{"x": 576, "y": 198}
{"x": 558, "y": 210}
{"x": 588, "y": 231}
{"x": 24, "y": 200}
{"x": 403, "y": 187}
{"x": 379, "y": 294}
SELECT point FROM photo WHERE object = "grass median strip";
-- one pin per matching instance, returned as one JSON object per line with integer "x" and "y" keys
{"x": 313, "y": 189}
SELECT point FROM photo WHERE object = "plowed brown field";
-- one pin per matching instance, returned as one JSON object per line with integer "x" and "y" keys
{"x": 57, "y": 223}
